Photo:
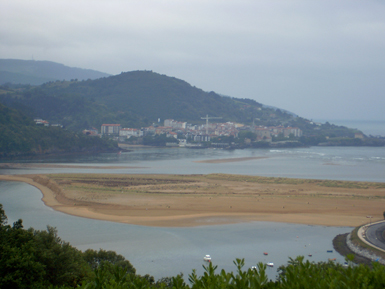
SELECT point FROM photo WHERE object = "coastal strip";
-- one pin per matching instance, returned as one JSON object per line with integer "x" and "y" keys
{"x": 229, "y": 160}
{"x": 60, "y": 166}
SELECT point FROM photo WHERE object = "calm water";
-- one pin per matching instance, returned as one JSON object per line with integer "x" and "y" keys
{"x": 167, "y": 251}
{"x": 340, "y": 163}
{"x": 368, "y": 127}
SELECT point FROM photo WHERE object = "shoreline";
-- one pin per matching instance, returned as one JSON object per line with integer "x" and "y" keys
{"x": 190, "y": 209}
{"x": 229, "y": 160}
{"x": 45, "y": 165}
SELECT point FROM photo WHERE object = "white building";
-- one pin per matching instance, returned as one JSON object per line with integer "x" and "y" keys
{"x": 129, "y": 132}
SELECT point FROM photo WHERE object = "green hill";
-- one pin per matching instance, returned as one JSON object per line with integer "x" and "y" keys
{"x": 139, "y": 98}
{"x": 38, "y": 72}
{"x": 20, "y": 136}
{"x": 133, "y": 99}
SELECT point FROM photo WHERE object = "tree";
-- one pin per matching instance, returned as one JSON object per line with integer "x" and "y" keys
{"x": 100, "y": 258}
{"x": 3, "y": 217}
{"x": 36, "y": 259}
{"x": 64, "y": 264}
{"x": 19, "y": 267}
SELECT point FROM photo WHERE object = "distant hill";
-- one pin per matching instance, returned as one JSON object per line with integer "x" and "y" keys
{"x": 133, "y": 99}
{"x": 139, "y": 98}
{"x": 33, "y": 72}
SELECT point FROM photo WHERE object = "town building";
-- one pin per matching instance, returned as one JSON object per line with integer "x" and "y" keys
{"x": 110, "y": 129}
{"x": 129, "y": 132}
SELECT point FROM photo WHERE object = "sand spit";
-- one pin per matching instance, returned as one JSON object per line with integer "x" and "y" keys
{"x": 194, "y": 200}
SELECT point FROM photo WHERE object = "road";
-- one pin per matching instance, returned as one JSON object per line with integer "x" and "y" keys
{"x": 374, "y": 235}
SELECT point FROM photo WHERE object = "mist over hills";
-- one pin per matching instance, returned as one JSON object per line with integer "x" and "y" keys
{"x": 33, "y": 72}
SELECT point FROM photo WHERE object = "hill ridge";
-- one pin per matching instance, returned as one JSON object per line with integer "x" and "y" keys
{"x": 36, "y": 72}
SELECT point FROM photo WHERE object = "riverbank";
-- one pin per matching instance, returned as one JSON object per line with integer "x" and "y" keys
{"x": 194, "y": 200}
{"x": 229, "y": 160}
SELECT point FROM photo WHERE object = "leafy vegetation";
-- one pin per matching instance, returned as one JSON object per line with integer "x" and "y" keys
{"x": 40, "y": 259}
{"x": 20, "y": 136}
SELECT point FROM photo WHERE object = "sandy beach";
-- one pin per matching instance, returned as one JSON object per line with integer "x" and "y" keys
{"x": 194, "y": 200}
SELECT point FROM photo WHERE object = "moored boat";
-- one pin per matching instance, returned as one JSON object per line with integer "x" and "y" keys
{"x": 207, "y": 258}
{"x": 270, "y": 264}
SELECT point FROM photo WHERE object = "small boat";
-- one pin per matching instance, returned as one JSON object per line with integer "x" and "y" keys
{"x": 265, "y": 253}
{"x": 332, "y": 259}
{"x": 329, "y": 251}
{"x": 310, "y": 255}
{"x": 254, "y": 268}
{"x": 207, "y": 258}
{"x": 270, "y": 264}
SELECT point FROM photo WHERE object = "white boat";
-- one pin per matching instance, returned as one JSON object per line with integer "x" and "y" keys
{"x": 270, "y": 264}
{"x": 207, "y": 258}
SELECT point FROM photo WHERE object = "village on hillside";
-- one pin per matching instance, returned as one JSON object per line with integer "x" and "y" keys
{"x": 193, "y": 135}
{"x": 228, "y": 135}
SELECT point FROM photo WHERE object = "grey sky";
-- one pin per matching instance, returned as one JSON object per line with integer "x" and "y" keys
{"x": 319, "y": 59}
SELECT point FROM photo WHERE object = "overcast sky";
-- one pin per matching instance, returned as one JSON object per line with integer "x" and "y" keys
{"x": 319, "y": 59}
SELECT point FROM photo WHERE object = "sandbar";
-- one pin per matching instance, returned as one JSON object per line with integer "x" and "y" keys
{"x": 197, "y": 200}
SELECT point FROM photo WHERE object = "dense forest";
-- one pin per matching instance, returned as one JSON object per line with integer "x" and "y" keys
{"x": 139, "y": 98}
{"x": 21, "y": 136}
{"x": 40, "y": 259}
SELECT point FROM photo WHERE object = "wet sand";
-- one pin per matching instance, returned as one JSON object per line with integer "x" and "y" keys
{"x": 194, "y": 200}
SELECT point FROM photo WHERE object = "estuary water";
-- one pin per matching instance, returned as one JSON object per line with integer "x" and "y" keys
{"x": 165, "y": 252}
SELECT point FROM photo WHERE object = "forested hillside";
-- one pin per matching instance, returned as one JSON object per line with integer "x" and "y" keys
{"x": 140, "y": 98}
{"x": 33, "y": 72}
{"x": 19, "y": 135}
{"x": 133, "y": 99}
